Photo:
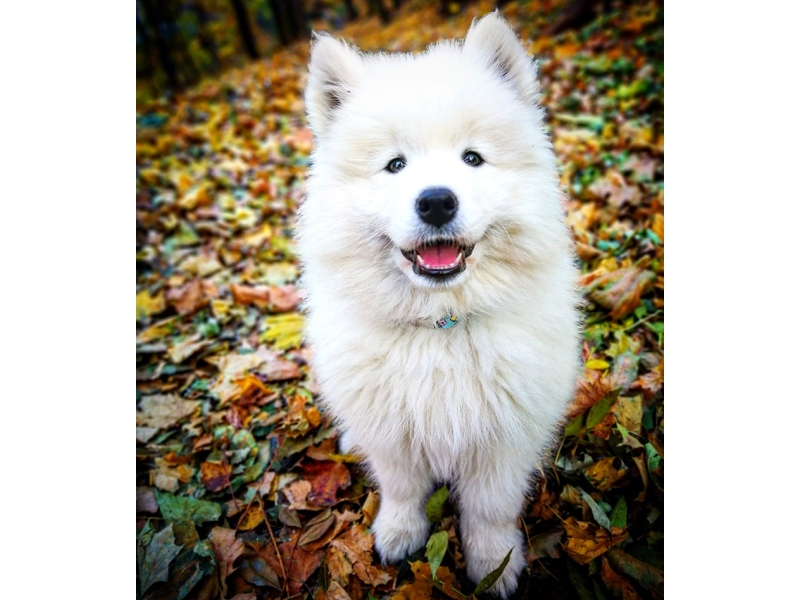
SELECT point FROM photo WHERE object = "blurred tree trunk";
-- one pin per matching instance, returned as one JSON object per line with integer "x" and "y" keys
{"x": 154, "y": 13}
{"x": 352, "y": 13}
{"x": 206, "y": 41}
{"x": 244, "y": 28}
{"x": 290, "y": 19}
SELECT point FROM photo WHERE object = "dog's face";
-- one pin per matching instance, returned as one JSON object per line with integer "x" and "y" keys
{"x": 432, "y": 169}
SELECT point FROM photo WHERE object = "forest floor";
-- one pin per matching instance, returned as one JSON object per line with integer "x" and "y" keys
{"x": 240, "y": 491}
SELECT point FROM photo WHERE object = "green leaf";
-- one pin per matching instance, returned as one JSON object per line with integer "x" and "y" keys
{"x": 487, "y": 582}
{"x": 580, "y": 581}
{"x": 154, "y": 567}
{"x": 433, "y": 508}
{"x": 574, "y": 426}
{"x": 183, "y": 508}
{"x": 597, "y": 512}
{"x": 435, "y": 550}
{"x": 619, "y": 516}
{"x": 599, "y": 410}
{"x": 653, "y": 458}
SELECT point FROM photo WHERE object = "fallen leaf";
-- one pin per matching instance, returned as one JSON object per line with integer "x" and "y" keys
{"x": 592, "y": 388}
{"x": 258, "y": 295}
{"x": 326, "y": 479}
{"x": 146, "y": 499}
{"x": 159, "y": 554}
{"x": 587, "y": 541}
{"x": 147, "y": 305}
{"x": 227, "y": 548}
{"x": 370, "y": 508}
{"x": 214, "y": 476}
{"x": 356, "y": 544}
{"x": 620, "y": 291}
{"x": 617, "y": 584}
{"x": 164, "y": 410}
{"x": 606, "y": 472}
{"x": 646, "y": 575}
{"x": 188, "y": 298}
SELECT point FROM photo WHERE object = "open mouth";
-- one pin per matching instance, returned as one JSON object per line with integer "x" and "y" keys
{"x": 439, "y": 258}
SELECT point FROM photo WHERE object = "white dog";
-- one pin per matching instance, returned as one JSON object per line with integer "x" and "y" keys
{"x": 442, "y": 298}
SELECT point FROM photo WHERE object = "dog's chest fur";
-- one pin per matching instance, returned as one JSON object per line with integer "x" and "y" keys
{"x": 442, "y": 395}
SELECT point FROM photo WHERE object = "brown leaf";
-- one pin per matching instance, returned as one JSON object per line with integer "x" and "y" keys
{"x": 421, "y": 588}
{"x": 615, "y": 190}
{"x": 164, "y": 410}
{"x": 615, "y": 583}
{"x": 299, "y": 563}
{"x": 326, "y": 477}
{"x": 628, "y": 413}
{"x": 214, "y": 475}
{"x": 258, "y": 295}
{"x": 592, "y": 388}
{"x": 227, "y": 548}
{"x": 323, "y": 450}
{"x": 620, "y": 291}
{"x": 606, "y": 472}
{"x": 546, "y": 544}
{"x": 317, "y": 527}
{"x": 339, "y": 567}
{"x": 252, "y": 518}
{"x": 188, "y": 298}
{"x": 356, "y": 544}
{"x": 586, "y": 541}
{"x": 284, "y": 298}
{"x": 296, "y": 493}
{"x": 336, "y": 592}
{"x": 146, "y": 499}
{"x": 341, "y": 520}
{"x": 370, "y": 508}
{"x": 646, "y": 575}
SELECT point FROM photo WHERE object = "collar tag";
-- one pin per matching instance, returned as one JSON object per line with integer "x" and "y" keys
{"x": 447, "y": 322}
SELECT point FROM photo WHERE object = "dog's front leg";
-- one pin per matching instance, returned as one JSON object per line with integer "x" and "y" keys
{"x": 491, "y": 492}
{"x": 401, "y": 525}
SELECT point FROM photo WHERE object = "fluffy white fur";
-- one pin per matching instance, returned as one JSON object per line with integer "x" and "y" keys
{"x": 475, "y": 405}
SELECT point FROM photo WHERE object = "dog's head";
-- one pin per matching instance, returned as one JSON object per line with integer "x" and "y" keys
{"x": 433, "y": 181}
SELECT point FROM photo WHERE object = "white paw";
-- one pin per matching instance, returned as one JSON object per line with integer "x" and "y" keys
{"x": 487, "y": 554}
{"x": 399, "y": 532}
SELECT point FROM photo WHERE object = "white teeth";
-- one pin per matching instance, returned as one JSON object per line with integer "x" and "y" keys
{"x": 420, "y": 261}
{"x": 458, "y": 259}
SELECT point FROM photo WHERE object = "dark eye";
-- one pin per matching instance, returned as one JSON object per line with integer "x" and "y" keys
{"x": 473, "y": 159}
{"x": 396, "y": 165}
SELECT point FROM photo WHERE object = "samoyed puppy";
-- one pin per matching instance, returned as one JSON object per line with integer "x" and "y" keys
{"x": 441, "y": 288}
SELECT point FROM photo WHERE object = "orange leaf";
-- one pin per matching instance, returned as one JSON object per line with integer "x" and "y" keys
{"x": 214, "y": 475}
{"x": 587, "y": 541}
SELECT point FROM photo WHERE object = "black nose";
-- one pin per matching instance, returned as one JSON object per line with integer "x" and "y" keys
{"x": 437, "y": 206}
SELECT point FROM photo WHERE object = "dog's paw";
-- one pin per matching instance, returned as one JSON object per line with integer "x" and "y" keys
{"x": 482, "y": 560}
{"x": 399, "y": 533}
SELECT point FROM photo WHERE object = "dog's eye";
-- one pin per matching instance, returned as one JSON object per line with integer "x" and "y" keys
{"x": 396, "y": 165}
{"x": 473, "y": 159}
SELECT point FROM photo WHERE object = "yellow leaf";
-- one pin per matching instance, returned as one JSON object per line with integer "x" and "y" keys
{"x": 147, "y": 305}
{"x": 597, "y": 364}
{"x": 284, "y": 331}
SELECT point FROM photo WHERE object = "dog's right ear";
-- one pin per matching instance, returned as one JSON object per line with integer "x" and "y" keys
{"x": 334, "y": 71}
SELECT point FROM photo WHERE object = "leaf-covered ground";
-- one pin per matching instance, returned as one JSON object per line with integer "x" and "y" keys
{"x": 240, "y": 491}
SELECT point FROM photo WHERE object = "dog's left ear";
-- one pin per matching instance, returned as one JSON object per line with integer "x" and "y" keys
{"x": 334, "y": 72}
{"x": 493, "y": 42}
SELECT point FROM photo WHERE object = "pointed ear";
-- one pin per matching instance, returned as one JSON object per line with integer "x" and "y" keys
{"x": 491, "y": 41}
{"x": 334, "y": 70}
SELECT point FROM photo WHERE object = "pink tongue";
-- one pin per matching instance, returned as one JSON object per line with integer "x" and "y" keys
{"x": 437, "y": 257}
